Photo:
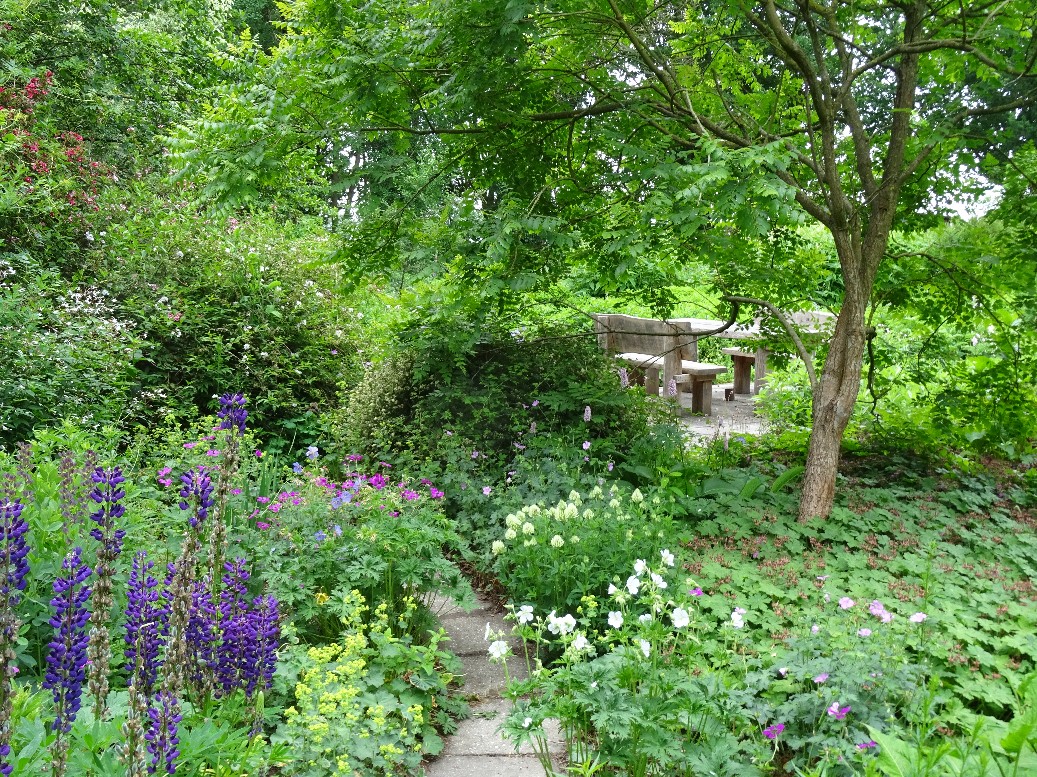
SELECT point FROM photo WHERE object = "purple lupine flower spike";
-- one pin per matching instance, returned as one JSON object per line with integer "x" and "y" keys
{"x": 197, "y": 488}
{"x": 202, "y": 635}
{"x": 107, "y": 493}
{"x": 66, "y": 659}
{"x": 234, "y": 624}
{"x": 161, "y": 735}
{"x": 261, "y": 649}
{"x": 145, "y": 621}
{"x": 233, "y": 413}
{"x": 15, "y": 550}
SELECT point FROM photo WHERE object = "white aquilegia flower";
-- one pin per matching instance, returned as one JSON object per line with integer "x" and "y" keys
{"x": 557, "y": 541}
{"x": 615, "y": 619}
{"x": 498, "y": 650}
{"x": 658, "y": 580}
{"x": 637, "y": 497}
{"x": 497, "y": 547}
{"x": 525, "y": 614}
{"x": 667, "y": 557}
{"x": 646, "y": 647}
{"x": 680, "y": 618}
{"x": 640, "y": 566}
{"x": 633, "y": 585}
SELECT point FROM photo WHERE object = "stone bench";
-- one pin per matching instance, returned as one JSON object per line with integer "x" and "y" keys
{"x": 697, "y": 376}
{"x": 745, "y": 362}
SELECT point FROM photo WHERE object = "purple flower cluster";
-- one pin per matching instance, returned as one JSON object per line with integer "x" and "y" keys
{"x": 15, "y": 549}
{"x": 66, "y": 659}
{"x": 107, "y": 493}
{"x": 233, "y": 413}
{"x": 161, "y": 735}
{"x": 197, "y": 488}
{"x": 145, "y": 622}
{"x": 248, "y": 634}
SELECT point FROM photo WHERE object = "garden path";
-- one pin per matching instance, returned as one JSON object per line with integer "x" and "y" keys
{"x": 477, "y": 748}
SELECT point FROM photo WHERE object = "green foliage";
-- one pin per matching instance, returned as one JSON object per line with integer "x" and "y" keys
{"x": 323, "y": 538}
{"x": 236, "y": 304}
{"x": 370, "y": 703}
{"x": 68, "y": 353}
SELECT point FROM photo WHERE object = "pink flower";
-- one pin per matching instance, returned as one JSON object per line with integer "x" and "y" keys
{"x": 837, "y": 712}
{"x": 586, "y": 445}
{"x": 821, "y": 678}
{"x": 263, "y": 499}
{"x": 814, "y": 629}
{"x": 918, "y": 617}
{"x": 695, "y": 592}
{"x": 275, "y": 507}
{"x": 262, "y": 526}
{"x": 587, "y": 414}
{"x": 259, "y": 454}
{"x": 435, "y": 493}
{"x": 772, "y": 732}
{"x": 486, "y": 490}
{"x": 212, "y": 453}
{"x": 189, "y": 445}
{"x": 846, "y": 603}
{"x": 235, "y": 491}
{"x": 863, "y": 632}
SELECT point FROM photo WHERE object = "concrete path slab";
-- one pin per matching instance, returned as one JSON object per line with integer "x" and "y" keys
{"x": 477, "y": 748}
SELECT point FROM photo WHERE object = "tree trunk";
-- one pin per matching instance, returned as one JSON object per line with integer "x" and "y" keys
{"x": 837, "y": 390}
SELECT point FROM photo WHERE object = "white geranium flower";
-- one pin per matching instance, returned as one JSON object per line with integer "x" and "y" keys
{"x": 612, "y": 589}
{"x": 498, "y": 650}
{"x": 646, "y": 618}
{"x": 667, "y": 557}
{"x": 615, "y": 619}
{"x": 646, "y": 647}
{"x": 658, "y": 580}
{"x": 640, "y": 566}
{"x": 680, "y": 618}
{"x": 633, "y": 585}
{"x": 580, "y": 643}
{"x": 527, "y": 722}
{"x": 525, "y": 614}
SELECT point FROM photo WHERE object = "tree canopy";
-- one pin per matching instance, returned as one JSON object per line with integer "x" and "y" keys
{"x": 629, "y": 136}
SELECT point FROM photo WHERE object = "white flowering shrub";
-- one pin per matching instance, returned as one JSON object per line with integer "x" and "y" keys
{"x": 553, "y": 555}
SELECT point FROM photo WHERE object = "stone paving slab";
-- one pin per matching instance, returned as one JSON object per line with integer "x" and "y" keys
{"x": 485, "y": 680}
{"x": 444, "y": 607}
{"x": 468, "y": 632}
{"x": 486, "y": 766}
{"x": 479, "y": 734}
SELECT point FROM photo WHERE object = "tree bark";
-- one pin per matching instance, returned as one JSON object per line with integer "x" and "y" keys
{"x": 833, "y": 404}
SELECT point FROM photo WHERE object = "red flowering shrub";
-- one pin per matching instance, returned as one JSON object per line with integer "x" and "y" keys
{"x": 49, "y": 185}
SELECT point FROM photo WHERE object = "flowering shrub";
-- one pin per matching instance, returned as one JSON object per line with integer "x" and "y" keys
{"x": 554, "y": 555}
